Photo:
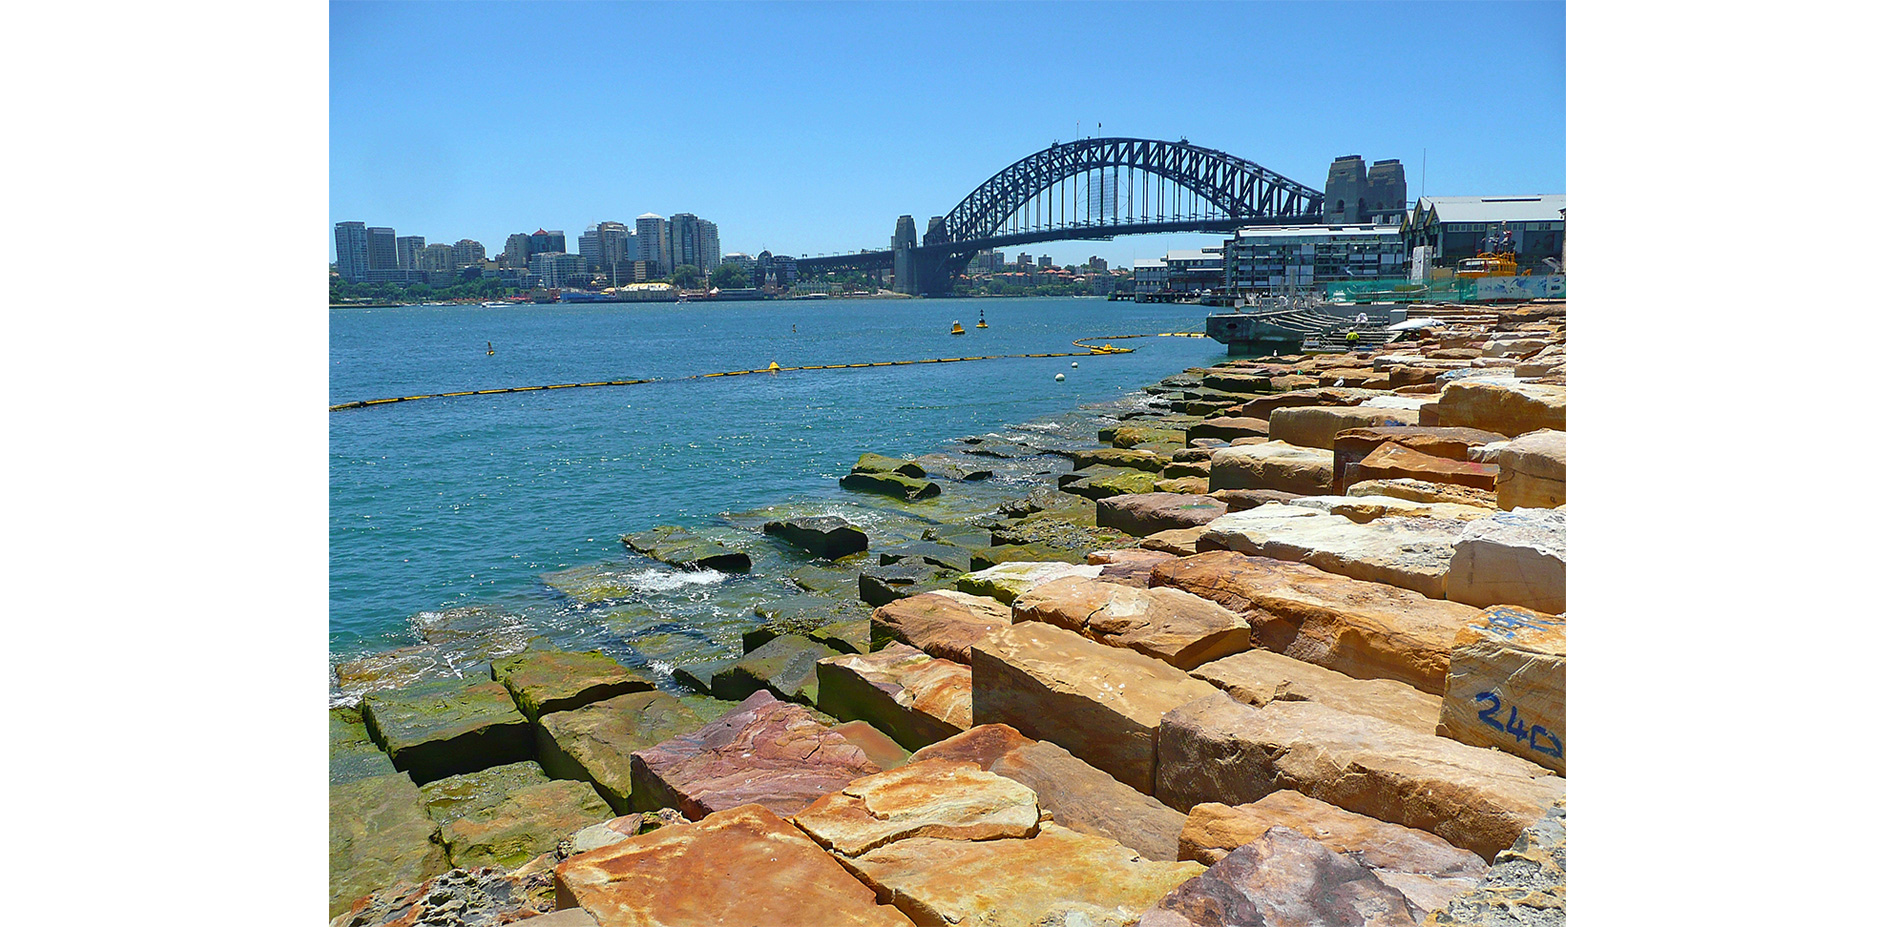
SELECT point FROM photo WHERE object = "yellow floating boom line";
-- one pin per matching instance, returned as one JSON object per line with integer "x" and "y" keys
{"x": 1094, "y": 350}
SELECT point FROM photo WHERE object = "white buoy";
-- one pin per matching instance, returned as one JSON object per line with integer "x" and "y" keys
{"x": 1074, "y": 364}
{"x": 1060, "y": 378}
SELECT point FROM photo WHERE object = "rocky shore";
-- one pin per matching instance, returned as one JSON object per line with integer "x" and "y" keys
{"x": 1286, "y": 645}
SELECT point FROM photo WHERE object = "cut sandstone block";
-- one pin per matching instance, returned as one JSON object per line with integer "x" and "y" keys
{"x": 915, "y": 698}
{"x": 1410, "y": 553}
{"x": 1005, "y": 581}
{"x": 1104, "y": 704}
{"x": 1257, "y": 677}
{"x": 943, "y": 623}
{"x": 1364, "y": 630}
{"x": 1181, "y": 543}
{"x": 1352, "y": 445}
{"x": 1128, "y": 566}
{"x": 1422, "y": 866}
{"x": 379, "y": 836}
{"x": 742, "y": 866}
{"x": 1216, "y": 749}
{"x": 437, "y": 729}
{"x": 1315, "y": 426}
{"x": 1273, "y": 465}
{"x": 592, "y": 743}
{"x": 1506, "y": 685}
{"x": 1531, "y": 471}
{"x": 935, "y": 798}
{"x": 1508, "y": 408}
{"x": 1057, "y": 877}
{"x": 541, "y": 681}
{"x": 1143, "y": 514}
{"x": 1391, "y": 461}
{"x": 1283, "y": 879}
{"x": 1170, "y": 625}
{"x": 1511, "y": 558}
{"x": 774, "y": 753}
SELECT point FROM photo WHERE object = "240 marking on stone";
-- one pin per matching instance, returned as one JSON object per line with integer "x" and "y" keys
{"x": 1515, "y": 727}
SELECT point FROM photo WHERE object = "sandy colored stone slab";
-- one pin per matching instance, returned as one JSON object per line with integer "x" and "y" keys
{"x": 541, "y": 681}
{"x": 1227, "y": 428}
{"x": 1532, "y": 471}
{"x": 1175, "y": 627}
{"x": 982, "y": 745}
{"x": 1505, "y": 688}
{"x": 1087, "y": 800}
{"x": 1273, "y": 465}
{"x": 1508, "y": 408}
{"x": 1392, "y": 461}
{"x": 877, "y": 745}
{"x": 943, "y": 623}
{"x": 1057, "y": 877}
{"x": 765, "y": 751}
{"x": 1143, "y": 514}
{"x": 1511, "y": 558}
{"x": 1101, "y": 703}
{"x": 592, "y": 743}
{"x": 1183, "y": 542}
{"x": 1257, "y": 677}
{"x": 914, "y": 697}
{"x": 436, "y": 729}
{"x": 1315, "y": 426}
{"x": 1364, "y": 630}
{"x": 1005, "y": 581}
{"x": 1307, "y": 394}
{"x": 935, "y": 798}
{"x": 1284, "y": 879}
{"x": 1353, "y": 444}
{"x": 379, "y": 836}
{"x": 1422, "y": 866}
{"x": 1218, "y": 750}
{"x": 1128, "y": 566}
{"x": 1421, "y": 491}
{"x": 1410, "y": 553}
{"x": 741, "y": 866}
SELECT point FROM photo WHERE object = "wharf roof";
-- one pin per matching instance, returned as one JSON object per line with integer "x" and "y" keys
{"x": 1540, "y": 208}
{"x": 1304, "y": 231}
{"x": 1147, "y": 262}
{"x": 1195, "y": 254}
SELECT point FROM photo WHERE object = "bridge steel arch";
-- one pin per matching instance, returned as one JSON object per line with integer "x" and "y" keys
{"x": 1235, "y": 186}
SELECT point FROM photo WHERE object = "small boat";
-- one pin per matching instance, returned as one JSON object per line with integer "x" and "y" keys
{"x": 956, "y": 328}
{"x": 979, "y": 320}
{"x": 496, "y": 305}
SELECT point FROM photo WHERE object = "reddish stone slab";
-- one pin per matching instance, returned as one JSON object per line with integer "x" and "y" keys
{"x": 768, "y": 752}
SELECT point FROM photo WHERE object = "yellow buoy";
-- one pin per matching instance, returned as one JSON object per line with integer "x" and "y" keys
{"x": 772, "y": 367}
{"x": 956, "y": 328}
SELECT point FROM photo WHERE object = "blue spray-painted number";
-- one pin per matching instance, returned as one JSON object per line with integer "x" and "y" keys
{"x": 1488, "y": 713}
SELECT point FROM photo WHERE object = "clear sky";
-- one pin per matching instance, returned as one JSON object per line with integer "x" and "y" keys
{"x": 807, "y": 128}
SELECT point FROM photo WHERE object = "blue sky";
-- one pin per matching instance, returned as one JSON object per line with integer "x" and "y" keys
{"x": 807, "y": 128}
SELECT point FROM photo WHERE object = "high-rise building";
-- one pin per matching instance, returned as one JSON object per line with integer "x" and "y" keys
{"x": 406, "y": 248}
{"x": 613, "y": 242}
{"x": 650, "y": 244}
{"x": 517, "y": 251}
{"x": 469, "y": 251}
{"x": 709, "y": 252}
{"x": 590, "y": 247}
{"x": 352, "y": 251}
{"x": 545, "y": 242}
{"x": 685, "y": 239}
{"x": 557, "y": 268}
{"x": 382, "y": 249}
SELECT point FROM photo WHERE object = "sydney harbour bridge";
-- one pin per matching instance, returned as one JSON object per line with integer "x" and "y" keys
{"x": 1093, "y": 188}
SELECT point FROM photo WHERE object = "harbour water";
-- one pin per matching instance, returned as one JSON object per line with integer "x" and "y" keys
{"x": 453, "y": 518}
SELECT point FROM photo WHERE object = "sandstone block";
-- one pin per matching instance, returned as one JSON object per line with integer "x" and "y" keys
{"x": 1411, "y": 553}
{"x": 934, "y": 798}
{"x": 1184, "y": 486}
{"x": 1218, "y": 750}
{"x": 1307, "y": 393}
{"x": 943, "y": 623}
{"x": 353, "y": 755}
{"x": 1100, "y": 482}
{"x": 1087, "y": 800}
{"x": 437, "y": 729}
{"x": 1284, "y": 879}
{"x": 878, "y": 746}
{"x": 542, "y": 681}
{"x": 878, "y": 463}
{"x": 784, "y": 666}
{"x": 907, "y": 488}
{"x": 1274, "y": 465}
{"x": 1257, "y": 677}
{"x": 1353, "y": 444}
{"x": 592, "y": 743}
{"x": 983, "y": 745}
{"x": 508, "y": 815}
{"x": 1391, "y": 461}
{"x": 1362, "y": 629}
{"x": 1144, "y": 514}
{"x": 1505, "y": 688}
{"x": 1184, "y": 542}
{"x": 1005, "y": 581}
{"x": 1315, "y": 426}
{"x": 1128, "y": 566}
{"x": 766, "y": 751}
{"x": 1423, "y": 867}
{"x": 915, "y": 698}
{"x": 1508, "y": 408}
{"x": 1118, "y": 457}
{"x": 741, "y": 866}
{"x": 687, "y": 550}
{"x": 1229, "y": 428}
{"x": 1511, "y": 558}
{"x": 1421, "y": 491}
{"x": 882, "y": 585}
{"x": 947, "y": 556}
{"x": 379, "y": 836}
{"x": 826, "y": 536}
{"x": 1531, "y": 471}
{"x": 1101, "y": 703}
{"x": 1057, "y": 877}
{"x": 1175, "y": 627}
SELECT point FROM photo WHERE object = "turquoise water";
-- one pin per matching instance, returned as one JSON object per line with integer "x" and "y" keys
{"x": 467, "y": 503}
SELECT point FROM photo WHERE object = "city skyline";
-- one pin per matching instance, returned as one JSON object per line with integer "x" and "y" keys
{"x": 908, "y": 108}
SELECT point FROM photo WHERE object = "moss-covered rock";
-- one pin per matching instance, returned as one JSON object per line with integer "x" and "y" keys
{"x": 908, "y": 488}
{"x": 591, "y": 583}
{"x": 506, "y": 816}
{"x": 879, "y": 585}
{"x": 687, "y": 549}
{"x": 826, "y": 536}
{"x": 436, "y": 729}
{"x": 541, "y": 681}
{"x": 1119, "y": 457}
{"x": 1101, "y": 482}
{"x": 353, "y": 755}
{"x": 379, "y": 835}
{"x": 948, "y": 556}
{"x": 1017, "y": 553}
{"x": 592, "y": 743}
{"x": 783, "y": 666}
{"x": 878, "y": 463}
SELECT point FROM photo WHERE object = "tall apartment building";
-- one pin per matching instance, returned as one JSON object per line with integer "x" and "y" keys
{"x": 515, "y": 253}
{"x": 352, "y": 251}
{"x": 469, "y": 251}
{"x": 590, "y": 247}
{"x": 651, "y": 245}
{"x": 406, "y": 248}
{"x": 690, "y": 242}
{"x": 613, "y": 242}
{"x": 438, "y": 257}
{"x": 382, "y": 249}
{"x": 556, "y": 268}
{"x": 709, "y": 252}
{"x": 546, "y": 242}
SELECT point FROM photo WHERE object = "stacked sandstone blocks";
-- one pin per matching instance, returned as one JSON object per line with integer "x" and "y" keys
{"x": 1326, "y": 688}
